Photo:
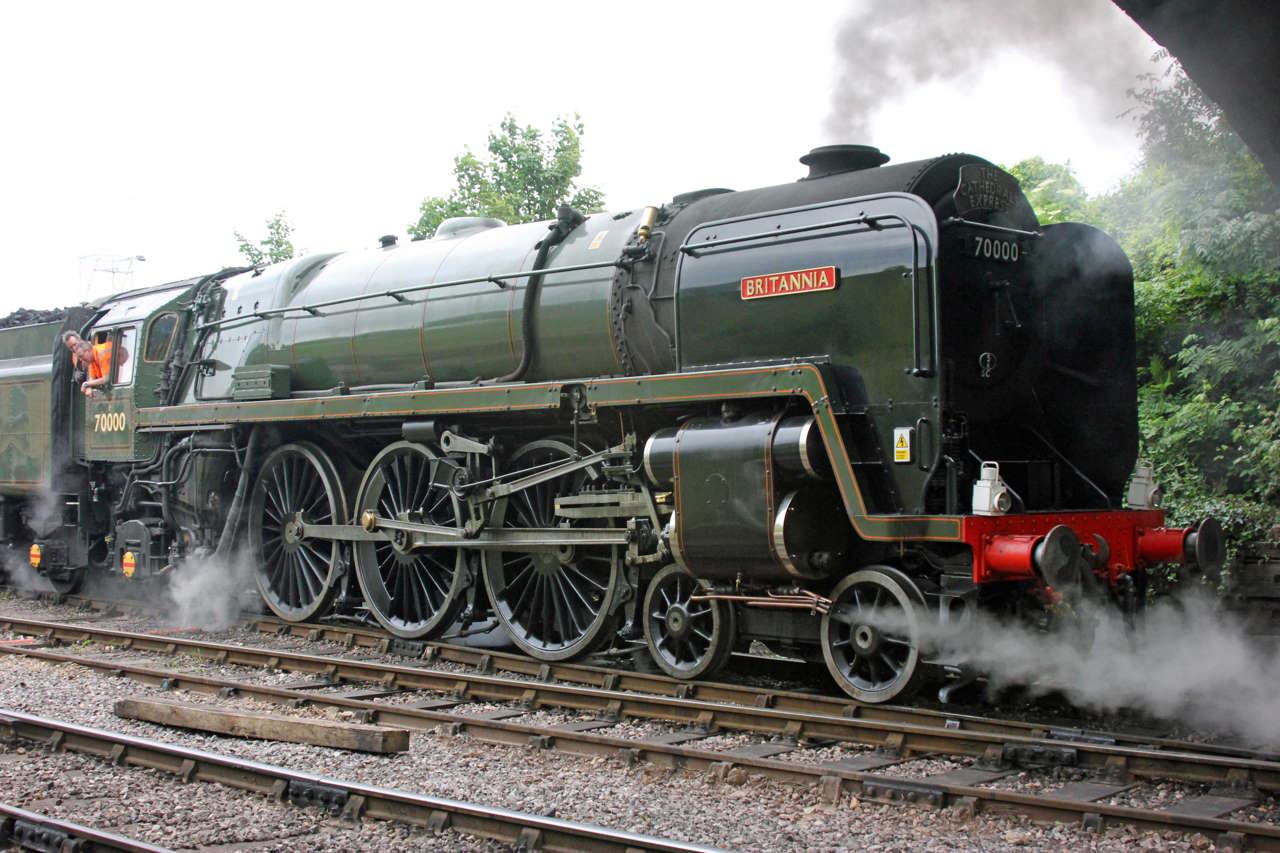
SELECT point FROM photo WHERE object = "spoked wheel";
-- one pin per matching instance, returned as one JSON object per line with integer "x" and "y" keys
{"x": 298, "y": 485}
{"x": 871, "y": 636}
{"x": 413, "y": 592}
{"x": 687, "y": 639}
{"x": 554, "y": 604}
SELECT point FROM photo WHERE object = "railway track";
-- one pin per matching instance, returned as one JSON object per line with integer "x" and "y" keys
{"x": 27, "y": 830}
{"x": 632, "y": 681}
{"x": 875, "y": 766}
{"x": 351, "y": 800}
{"x": 488, "y": 661}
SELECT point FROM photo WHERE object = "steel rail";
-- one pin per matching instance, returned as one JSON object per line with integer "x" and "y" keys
{"x": 489, "y": 660}
{"x": 353, "y": 799}
{"x": 28, "y": 830}
{"x": 493, "y": 661}
{"x": 831, "y": 782}
{"x": 907, "y": 738}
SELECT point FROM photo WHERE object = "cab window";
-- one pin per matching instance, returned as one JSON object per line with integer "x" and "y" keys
{"x": 160, "y": 337}
{"x": 124, "y": 354}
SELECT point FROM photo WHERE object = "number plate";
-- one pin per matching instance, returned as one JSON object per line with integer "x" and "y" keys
{"x": 993, "y": 249}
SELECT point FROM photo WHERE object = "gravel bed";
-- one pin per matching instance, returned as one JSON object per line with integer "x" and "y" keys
{"x": 689, "y": 806}
{"x": 1049, "y": 710}
{"x": 1266, "y": 810}
{"x": 825, "y": 754}
{"x": 635, "y": 729}
{"x": 189, "y": 665}
{"x": 551, "y": 718}
{"x": 767, "y": 815}
{"x": 1042, "y": 781}
{"x": 154, "y": 807}
{"x": 404, "y": 697}
{"x": 919, "y": 768}
{"x": 1157, "y": 795}
{"x": 240, "y": 635}
{"x": 475, "y": 709}
{"x": 726, "y": 741}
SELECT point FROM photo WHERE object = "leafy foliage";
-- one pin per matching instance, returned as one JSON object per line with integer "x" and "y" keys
{"x": 1053, "y": 189}
{"x": 525, "y": 176}
{"x": 271, "y": 249}
{"x": 1200, "y": 224}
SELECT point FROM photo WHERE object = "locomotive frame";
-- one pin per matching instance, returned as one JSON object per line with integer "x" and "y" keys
{"x": 409, "y": 430}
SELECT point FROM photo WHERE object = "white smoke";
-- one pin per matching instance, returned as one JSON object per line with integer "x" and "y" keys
{"x": 205, "y": 591}
{"x": 42, "y": 515}
{"x": 17, "y": 568}
{"x": 884, "y": 50}
{"x": 43, "y": 511}
{"x": 1184, "y": 659}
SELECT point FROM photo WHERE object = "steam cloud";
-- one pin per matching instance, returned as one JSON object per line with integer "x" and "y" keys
{"x": 43, "y": 513}
{"x": 205, "y": 590}
{"x": 884, "y": 50}
{"x": 1183, "y": 660}
{"x": 17, "y": 569}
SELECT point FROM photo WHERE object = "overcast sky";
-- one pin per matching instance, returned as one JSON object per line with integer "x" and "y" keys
{"x": 157, "y": 129}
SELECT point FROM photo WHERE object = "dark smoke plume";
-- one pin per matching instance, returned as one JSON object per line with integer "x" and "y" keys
{"x": 884, "y": 50}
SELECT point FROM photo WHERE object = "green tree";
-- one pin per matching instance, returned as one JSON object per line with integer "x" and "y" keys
{"x": 1200, "y": 223}
{"x": 525, "y": 175}
{"x": 1053, "y": 189}
{"x": 1198, "y": 219}
{"x": 271, "y": 249}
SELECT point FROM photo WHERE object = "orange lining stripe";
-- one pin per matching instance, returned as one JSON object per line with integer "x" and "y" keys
{"x": 833, "y": 443}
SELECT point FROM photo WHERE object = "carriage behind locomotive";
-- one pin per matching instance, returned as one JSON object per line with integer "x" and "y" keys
{"x": 824, "y": 415}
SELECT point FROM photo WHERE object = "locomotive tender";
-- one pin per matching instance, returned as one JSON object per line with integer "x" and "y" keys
{"x": 824, "y": 415}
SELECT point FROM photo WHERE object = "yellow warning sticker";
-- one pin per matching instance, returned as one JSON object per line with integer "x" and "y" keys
{"x": 595, "y": 244}
{"x": 902, "y": 444}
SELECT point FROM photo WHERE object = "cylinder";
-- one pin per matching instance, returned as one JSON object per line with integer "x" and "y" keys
{"x": 746, "y": 496}
{"x": 660, "y": 457}
{"x": 810, "y": 533}
{"x": 798, "y": 449}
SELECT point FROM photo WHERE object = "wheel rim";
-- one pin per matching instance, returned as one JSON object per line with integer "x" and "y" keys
{"x": 555, "y": 605}
{"x": 411, "y": 592}
{"x": 871, "y": 636}
{"x": 687, "y": 639}
{"x": 65, "y": 582}
{"x": 297, "y": 577}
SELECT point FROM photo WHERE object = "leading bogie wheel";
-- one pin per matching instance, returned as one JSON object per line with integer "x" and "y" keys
{"x": 555, "y": 604}
{"x": 686, "y": 638}
{"x": 64, "y": 581}
{"x": 297, "y": 576}
{"x": 872, "y": 633}
{"x": 412, "y": 591}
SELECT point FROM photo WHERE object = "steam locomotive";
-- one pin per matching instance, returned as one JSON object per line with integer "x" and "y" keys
{"x": 825, "y": 415}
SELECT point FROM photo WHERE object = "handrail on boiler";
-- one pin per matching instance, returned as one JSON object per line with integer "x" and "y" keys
{"x": 872, "y": 223}
{"x": 398, "y": 294}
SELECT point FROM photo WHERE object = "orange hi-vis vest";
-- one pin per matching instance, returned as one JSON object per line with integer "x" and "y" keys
{"x": 100, "y": 366}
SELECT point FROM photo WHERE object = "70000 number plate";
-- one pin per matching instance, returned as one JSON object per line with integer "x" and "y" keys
{"x": 993, "y": 249}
